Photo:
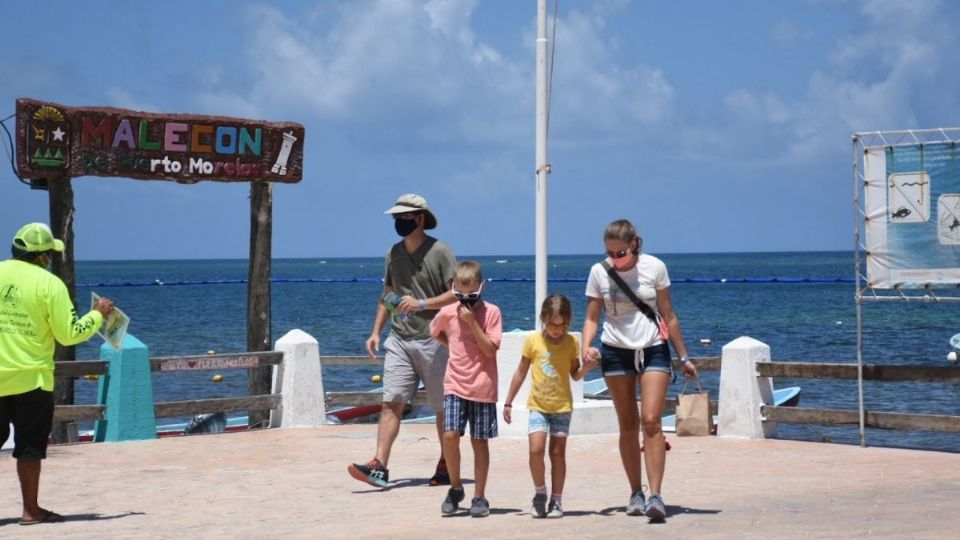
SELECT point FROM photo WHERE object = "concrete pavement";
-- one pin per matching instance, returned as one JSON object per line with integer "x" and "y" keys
{"x": 292, "y": 483}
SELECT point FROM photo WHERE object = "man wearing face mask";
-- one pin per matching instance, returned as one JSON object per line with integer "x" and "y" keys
{"x": 35, "y": 310}
{"x": 419, "y": 269}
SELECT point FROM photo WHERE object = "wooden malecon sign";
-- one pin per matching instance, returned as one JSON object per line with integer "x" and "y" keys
{"x": 66, "y": 142}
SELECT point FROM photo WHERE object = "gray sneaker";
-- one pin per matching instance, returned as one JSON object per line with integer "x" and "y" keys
{"x": 555, "y": 510}
{"x": 655, "y": 507}
{"x": 479, "y": 507}
{"x": 452, "y": 502}
{"x": 637, "y": 504}
{"x": 539, "y": 509}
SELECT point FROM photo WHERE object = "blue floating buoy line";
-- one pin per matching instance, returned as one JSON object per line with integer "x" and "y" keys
{"x": 159, "y": 283}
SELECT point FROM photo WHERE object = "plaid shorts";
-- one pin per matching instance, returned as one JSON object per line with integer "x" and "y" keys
{"x": 457, "y": 411}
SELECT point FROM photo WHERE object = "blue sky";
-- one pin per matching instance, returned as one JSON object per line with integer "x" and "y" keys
{"x": 713, "y": 126}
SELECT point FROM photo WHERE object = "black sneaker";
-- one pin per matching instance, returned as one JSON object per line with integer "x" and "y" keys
{"x": 554, "y": 510}
{"x": 452, "y": 502}
{"x": 372, "y": 473}
{"x": 539, "y": 509}
{"x": 479, "y": 507}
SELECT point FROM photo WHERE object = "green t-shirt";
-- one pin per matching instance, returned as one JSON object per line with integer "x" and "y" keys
{"x": 424, "y": 273}
{"x": 35, "y": 310}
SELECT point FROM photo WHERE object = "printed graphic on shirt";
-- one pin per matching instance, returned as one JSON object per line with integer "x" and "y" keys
{"x": 618, "y": 303}
{"x": 546, "y": 366}
{"x": 10, "y": 296}
{"x": 549, "y": 388}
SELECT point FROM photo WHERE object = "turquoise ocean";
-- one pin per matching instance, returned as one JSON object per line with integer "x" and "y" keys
{"x": 799, "y": 303}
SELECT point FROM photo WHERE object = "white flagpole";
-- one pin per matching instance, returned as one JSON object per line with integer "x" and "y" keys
{"x": 542, "y": 165}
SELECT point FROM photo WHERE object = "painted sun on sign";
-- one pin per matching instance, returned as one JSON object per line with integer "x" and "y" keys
{"x": 48, "y": 142}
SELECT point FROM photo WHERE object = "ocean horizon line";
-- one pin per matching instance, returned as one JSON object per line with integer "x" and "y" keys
{"x": 466, "y": 257}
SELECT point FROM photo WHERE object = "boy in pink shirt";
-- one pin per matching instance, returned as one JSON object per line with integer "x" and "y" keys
{"x": 471, "y": 329}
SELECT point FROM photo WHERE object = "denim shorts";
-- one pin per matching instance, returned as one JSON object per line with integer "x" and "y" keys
{"x": 556, "y": 424}
{"x": 482, "y": 417}
{"x": 617, "y": 361}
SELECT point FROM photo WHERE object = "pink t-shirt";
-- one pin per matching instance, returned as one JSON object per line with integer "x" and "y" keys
{"x": 470, "y": 374}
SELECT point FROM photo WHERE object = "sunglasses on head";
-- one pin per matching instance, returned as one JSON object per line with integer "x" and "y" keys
{"x": 468, "y": 296}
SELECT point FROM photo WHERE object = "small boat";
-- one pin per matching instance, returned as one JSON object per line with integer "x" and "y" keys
{"x": 595, "y": 389}
{"x": 784, "y": 397}
{"x": 368, "y": 414}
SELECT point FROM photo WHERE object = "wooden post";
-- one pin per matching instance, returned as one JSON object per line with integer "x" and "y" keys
{"x": 61, "y": 223}
{"x": 258, "y": 290}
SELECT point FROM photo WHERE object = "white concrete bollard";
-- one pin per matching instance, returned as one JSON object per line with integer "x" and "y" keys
{"x": 742, "y": 392}
{"x": 300, "y": 382}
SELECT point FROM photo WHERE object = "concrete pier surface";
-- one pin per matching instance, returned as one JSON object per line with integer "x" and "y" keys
{"x": 292, "y": 483}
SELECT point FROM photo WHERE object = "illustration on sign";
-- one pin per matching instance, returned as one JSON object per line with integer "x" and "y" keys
{"x": 909, "y": 197}
{"x": 48, "y": 141}
{"x": 948, "y": 208}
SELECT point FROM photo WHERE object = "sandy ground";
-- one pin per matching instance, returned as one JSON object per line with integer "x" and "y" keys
{"x": 292, "y": 483}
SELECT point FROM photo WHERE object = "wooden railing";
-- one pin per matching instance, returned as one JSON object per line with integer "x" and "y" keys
{"x": 361, "y": 399}
{"x": 246, "y": 360}
{"x": 801, "y": 415}
{"x": 871, "y": 372}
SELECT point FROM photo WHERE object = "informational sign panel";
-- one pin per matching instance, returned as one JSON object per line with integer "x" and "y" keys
{"x": 58, "y": 141}
{"x": 912, "y": 206}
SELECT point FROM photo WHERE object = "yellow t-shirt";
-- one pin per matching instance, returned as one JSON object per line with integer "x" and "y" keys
{"x": 550, "y": 367}
{"x": 35, "y": 311}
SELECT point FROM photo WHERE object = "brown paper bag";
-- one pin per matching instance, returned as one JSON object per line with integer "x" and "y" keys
{"x": 693, "y": 412}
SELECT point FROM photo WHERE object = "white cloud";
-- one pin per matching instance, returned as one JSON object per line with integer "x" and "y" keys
{"x": 877, "y": 78}
{"x": 594, "y": 91}
{"x": 786, "y": 32}
{"x": 363, "y": 64}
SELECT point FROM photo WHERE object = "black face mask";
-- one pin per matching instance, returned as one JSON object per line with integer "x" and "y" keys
{"x": 469, "y": 302}
{"x": 405, "y": 226}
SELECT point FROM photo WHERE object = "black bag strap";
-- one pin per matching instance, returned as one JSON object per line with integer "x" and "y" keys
{"x": 641, "y": 305}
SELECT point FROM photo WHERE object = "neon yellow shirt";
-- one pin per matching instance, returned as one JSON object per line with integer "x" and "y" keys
{"x": 35, "y": 310}
{"x": 550, "y": 367}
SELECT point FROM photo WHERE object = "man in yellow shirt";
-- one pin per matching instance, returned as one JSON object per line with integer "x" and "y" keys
{"x": 35, "y": 311}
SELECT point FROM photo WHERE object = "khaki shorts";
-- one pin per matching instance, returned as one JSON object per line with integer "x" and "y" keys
{"x": 406, "y": 363}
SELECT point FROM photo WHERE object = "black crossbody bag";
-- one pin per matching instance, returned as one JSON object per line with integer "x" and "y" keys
{"x": 641, "y": 305}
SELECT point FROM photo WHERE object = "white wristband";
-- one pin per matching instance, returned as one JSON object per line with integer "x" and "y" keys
{"x": 684, "y": 359}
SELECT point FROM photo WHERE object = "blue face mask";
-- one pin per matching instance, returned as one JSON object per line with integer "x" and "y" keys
{"x": 405, "y": 227}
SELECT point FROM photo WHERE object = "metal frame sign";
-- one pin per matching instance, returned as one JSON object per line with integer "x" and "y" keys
{"x": 912, "y": 214}
{"x": 58, "y": 141}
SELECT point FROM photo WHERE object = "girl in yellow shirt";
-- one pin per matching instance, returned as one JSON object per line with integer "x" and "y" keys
{"x": 554, "y": 356}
